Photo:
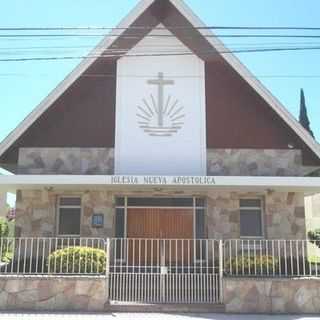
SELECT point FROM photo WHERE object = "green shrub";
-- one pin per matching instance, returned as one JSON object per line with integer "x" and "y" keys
{"x": 314, "y": 237}
{"x": 4, "y": 228}
{"x": 79, "y": 260}
{"x": 245, "y": 265}
{"x": 6, "y": 245}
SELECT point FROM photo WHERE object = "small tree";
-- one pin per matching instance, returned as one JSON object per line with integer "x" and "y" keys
{"x": 303, "y": 117}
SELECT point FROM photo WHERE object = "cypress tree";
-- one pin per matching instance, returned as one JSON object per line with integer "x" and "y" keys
{"x": 303, "y": 118}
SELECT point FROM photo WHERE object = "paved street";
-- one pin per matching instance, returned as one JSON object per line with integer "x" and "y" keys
{"x": 145, "y": 316}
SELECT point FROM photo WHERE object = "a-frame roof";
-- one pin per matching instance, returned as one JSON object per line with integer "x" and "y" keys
{"x": 208, "y": 38}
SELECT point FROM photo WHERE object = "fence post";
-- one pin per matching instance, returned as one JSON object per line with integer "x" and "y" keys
{"x": 108, "y": 253}
{"x": 221, "y": 258}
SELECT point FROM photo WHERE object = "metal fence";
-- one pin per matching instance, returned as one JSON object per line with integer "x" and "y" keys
{"x": 52, "y": 256}
{"x": 165, "y": 270}
{"x": 160, "y": 270}
{"x": 270, "y": 258}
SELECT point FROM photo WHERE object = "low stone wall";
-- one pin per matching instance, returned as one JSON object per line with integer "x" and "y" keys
{"x": 241, "y": 295}
{"x": 52, "y": 293}
{"x": 247, "y": 295}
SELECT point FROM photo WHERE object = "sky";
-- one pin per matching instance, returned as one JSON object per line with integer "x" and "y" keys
{"x": 24, "y": 84}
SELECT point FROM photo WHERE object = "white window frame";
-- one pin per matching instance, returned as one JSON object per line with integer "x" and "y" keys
{"x": 261, "y": 208}
{"x": 68, "y": 207}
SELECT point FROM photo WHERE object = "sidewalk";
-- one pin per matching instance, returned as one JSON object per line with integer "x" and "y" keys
{"x": 147, "y": 316}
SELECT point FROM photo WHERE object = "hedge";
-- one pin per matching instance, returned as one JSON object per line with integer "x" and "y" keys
{"x": 77, "y": 260}
{"x": 245, "y": 265}
{"x": 314, "y": 237}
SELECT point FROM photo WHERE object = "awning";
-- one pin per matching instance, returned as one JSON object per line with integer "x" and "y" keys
{"x": 307, "y": 185}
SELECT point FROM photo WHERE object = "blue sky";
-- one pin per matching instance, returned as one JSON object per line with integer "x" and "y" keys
{"x": 24, "y": 84}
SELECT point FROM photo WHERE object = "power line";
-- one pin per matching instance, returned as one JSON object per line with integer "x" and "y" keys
{"x": 154, "y": 45}
{"x": 159, "y": 54}
{"x": 175, "y": 50}
{"x": 106, "y": 75}
{"x": 62, "y": 28}
{"x": 297, "y": 36}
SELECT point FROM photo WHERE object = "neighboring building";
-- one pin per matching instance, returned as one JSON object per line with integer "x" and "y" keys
{"x": 3, "y": 204}
{"x": 312, "y": 209}
{"x": 150, "y": 144}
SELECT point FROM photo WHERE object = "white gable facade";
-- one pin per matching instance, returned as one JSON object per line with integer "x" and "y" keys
{"x": 160, "y": 105}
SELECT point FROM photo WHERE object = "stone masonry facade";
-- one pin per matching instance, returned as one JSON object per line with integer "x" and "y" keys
{"x": 36, "y": 213}
{"x": 255, "y": 162}
{"x": 89, "y": 294}
{"x": 295, "y": 296}
{"x": 283, "y": 213}
{"x": 220, "y": 162}
{"x": 82, "y": 161}
{"x": 53, "y": 293}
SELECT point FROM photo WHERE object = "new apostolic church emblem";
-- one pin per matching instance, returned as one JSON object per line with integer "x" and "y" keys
{"x": 161, "y": 116}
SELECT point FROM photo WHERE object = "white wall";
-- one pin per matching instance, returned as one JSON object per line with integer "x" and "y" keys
{"x": 312, "y": 209}
{"x": 143, "y": 146}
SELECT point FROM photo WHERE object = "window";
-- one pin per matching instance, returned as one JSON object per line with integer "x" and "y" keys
{"x": 120, "y": 223}
{"x": 160, "y": 202}
{"x": 200, "y": 217}
{"x": 200, "y": 228}
{"x": 69, "y": 216}
{"x": 251, "y": 218}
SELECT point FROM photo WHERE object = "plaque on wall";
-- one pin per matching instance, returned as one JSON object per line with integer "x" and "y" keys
{"x": 97, "y": 220}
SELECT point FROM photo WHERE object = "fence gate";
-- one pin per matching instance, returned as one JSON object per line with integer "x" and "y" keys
{"x": 165, "y": 270}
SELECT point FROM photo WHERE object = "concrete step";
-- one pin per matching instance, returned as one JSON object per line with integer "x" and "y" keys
{"x": 167, "y": 307}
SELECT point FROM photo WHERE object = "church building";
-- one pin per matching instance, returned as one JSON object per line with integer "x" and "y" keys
{"x": 160, "y": 133}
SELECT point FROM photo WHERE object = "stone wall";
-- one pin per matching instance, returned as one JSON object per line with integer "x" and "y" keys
{"x": 255, "y": 162}
{"x": 59, "y": 294}
{"x": 89, "y": 294}
{"x": 36, "y": 213}
{"x": 245, "y": 295}
{"x": 283, "y": 215}
{"x": 220, "y": 162}
{"x": 92, "y": 161}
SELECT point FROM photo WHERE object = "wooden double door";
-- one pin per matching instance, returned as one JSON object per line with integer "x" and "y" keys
{"x": 152, "y": 226}
{"x": 160, "y": 223}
